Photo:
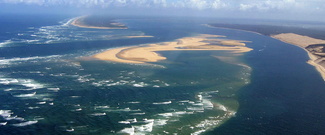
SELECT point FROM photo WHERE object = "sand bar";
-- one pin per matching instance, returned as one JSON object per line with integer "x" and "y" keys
{"x": 79, "y": 22}
{"x": 150, "y": 53}
{"x": 303, "y": 42}
{"x": 144, "y": 36}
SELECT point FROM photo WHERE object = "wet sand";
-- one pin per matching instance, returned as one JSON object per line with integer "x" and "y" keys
{"x": 150, "y": 53}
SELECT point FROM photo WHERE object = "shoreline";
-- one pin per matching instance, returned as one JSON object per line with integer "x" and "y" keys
{"x": 78, "y": 23}
{"x": 291, "y": 38}
{"x": 312, "y": 58}
{"x": 208, "y": 25}
{"x": 144, "y": 54}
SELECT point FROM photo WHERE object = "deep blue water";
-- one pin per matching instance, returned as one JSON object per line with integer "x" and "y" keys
{"x": 47, "y": 86}
{"x": 286, "y": 95}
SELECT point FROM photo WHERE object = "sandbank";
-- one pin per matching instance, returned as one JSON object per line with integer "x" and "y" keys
{"x": 303, "y": 42}
{"x": 79, "y": 22}
{"x": 150, "y": 53}
{"x": 138, "y": 36}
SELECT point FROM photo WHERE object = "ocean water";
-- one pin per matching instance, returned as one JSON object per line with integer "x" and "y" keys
{"x": 49, "y": 85}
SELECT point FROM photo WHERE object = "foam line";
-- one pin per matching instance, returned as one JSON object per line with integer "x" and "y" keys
{"x": 27, "y": 123}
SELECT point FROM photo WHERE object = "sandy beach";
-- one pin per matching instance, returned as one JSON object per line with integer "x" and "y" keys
{"x": 303, "y": 42}
{"x": 150, "y": 53}
{"x": 298, "y": 40}
{"x": 79, "y": 22}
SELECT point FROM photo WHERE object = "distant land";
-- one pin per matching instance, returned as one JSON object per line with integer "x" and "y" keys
{"x": 311, "y": 40}
{"x": 97, "y": 22}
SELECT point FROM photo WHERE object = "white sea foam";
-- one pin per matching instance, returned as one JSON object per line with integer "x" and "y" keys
{"x": 129, "y": 131}
{"x": 141, "y": 84}
{"x": 32, "y": 108}
{"x": 33, "y": 85}
{"x": 222, "y": 107}
{"x": 134, "y": 120}
{"x": 25, "y": 95}
{"x": 124, "y": 122}
{"x": 126, "y": 110}
{"x": 146, "y": 128}
{"x": 75, "y": 96}
{"x": 3, "y": 123}
{"x": 98, "y": 114}
{"x": 198, "y": 132}
{"x": 38, "y": 118}
{"x": 14, "y": 118}
{"x": 184, "y": 101}
{"x": 195, "y": 108}
{"x": 191, "y": 102}
{"x": 166, "y": 114}
{"x": 67, "y": 23}
{"x": 199, "y": 97}
{"x": 207, "y": 124}
{"x": 148, "y": 120}
{"x": 41, "y": 103}
{"x": 5, "y": 82}
{"x": 25, "y": 123}
{"x": 54, "y": 89}
{"x": 207, "y": 104}
{"x": 142, "y": 113}
{"x": 9, "y": 89}
{"x": 160, "y": 122}
{"x": 135, "y": 102}
{"x": 5, "y": 43}
{"x": 198, "y": 104}
{"x": 77, "y": 110}
{"x": 64, "y": 32}
{"x": 70, "y": 130}
{"x": 26, "y": 59}
{"x": 5, "y": 113}
{"x": 113, "y": 84}
{"x": 162, "y": 103}
{"x": 102, "y": 107}
{"x": 182, "y": 112}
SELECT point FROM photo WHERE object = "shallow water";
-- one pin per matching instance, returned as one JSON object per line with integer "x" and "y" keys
{"x": 47, "y": 86}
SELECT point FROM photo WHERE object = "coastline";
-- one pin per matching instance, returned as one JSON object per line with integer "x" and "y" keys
{"x": 210, "y": 26}
{"x": 78, "y": 22}
{"x": 303, "y": 42}
{"x": 293, "y": 41}
{"x": 150, "y": 53}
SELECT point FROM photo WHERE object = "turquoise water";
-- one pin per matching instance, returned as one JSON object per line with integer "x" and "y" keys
{"x": 48, "y": 85}
{"x": 53, "y": 88}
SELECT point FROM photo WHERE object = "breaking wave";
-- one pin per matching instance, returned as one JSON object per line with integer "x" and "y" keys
{"x": 65, "y": 32}
{"x": 5, "y": 43}
{"x": 26, "y": 59}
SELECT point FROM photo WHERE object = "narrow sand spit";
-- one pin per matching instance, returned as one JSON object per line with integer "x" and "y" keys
{"x": 79, "y": 22}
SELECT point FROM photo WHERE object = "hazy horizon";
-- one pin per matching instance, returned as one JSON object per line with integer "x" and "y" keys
{"x": 302, "y": 10}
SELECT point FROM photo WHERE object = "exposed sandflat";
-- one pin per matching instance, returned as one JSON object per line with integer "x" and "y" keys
{"x": 149, "y": 53}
